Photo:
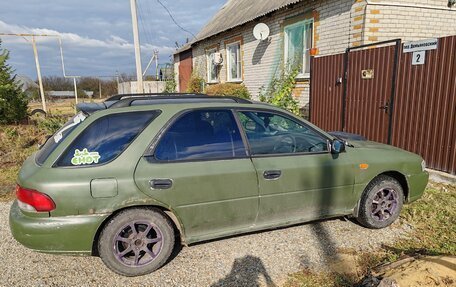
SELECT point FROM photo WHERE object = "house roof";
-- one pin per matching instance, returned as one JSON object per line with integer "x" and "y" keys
{"x": 235, "y": 13}
{"x": 25, "y": 82}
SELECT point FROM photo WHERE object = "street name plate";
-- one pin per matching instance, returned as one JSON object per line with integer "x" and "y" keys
{"x": 423, "y": 45}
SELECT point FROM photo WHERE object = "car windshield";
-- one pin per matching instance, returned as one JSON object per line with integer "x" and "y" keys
{"x": 53, "y": 141}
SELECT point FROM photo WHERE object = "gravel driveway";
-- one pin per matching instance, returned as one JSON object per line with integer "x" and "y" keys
{"x": 260, "y": 259}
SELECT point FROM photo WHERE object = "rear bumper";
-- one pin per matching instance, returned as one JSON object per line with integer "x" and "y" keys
{"x": 68, "y": 235}
{"x": 417, "y": 185}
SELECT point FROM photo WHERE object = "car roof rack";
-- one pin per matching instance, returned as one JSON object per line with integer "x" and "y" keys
{"x": 119, "y": 97}
{"x": 127, "y": 101}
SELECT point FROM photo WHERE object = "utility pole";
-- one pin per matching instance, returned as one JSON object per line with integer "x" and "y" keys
{"x": 38, "y": 72}
{"x": 37, "y": 62}
{"x": 64, "y": 72}
{"x": 157, "y": 74}
{"x": 75, "y": 90}
{"x": 134, "y": 18}
{"x": 99, "y": 86}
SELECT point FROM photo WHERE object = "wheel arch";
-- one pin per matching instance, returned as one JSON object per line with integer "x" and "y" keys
{"x": 177, "y": 225}
{"x": 401, "y": 178}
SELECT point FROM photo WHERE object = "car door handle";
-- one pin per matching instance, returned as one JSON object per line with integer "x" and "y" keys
{"x": 161, "y": 183}
{"x": 272, "y": 174}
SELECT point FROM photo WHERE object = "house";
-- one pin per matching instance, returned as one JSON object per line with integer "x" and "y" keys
{"x": 299, "y": 28}
{"x": 25, "y": 83}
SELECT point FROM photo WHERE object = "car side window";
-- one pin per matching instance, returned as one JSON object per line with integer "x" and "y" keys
{"x": 106, "y": 138}
{"x": 201, "y": 135}
{"x": 270, "y": 133}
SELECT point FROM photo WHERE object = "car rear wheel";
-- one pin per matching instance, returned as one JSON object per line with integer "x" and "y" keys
{"x": 381, "y": 202}
{"x": 136, "y": 242}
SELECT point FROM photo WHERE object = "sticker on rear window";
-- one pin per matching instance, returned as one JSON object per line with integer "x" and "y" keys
{"x": 85, "y": 157}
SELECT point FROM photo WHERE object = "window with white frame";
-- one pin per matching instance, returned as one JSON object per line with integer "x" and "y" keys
{"x": 234, "y": 62}
{"x": 298, "y": 43}
{"x": 212, "y": 68}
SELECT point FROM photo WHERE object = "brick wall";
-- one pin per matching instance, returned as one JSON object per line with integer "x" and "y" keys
{"x": 408, "y": 20}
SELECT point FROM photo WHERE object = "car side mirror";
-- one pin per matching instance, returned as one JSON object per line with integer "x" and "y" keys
{"x": 337, "y": 147}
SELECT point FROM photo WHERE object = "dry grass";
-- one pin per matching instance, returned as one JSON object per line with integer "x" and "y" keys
{"x": 59, "y": 107}
{"x": 17, "y": 142}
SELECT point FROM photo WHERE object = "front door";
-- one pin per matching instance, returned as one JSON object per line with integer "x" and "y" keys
{"x": 200, "y": 169}
{"x": 299, "y": 179}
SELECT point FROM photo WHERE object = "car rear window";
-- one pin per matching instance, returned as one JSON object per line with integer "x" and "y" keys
{"x": 106, "y": 138}
{"x": 53, "y": 141}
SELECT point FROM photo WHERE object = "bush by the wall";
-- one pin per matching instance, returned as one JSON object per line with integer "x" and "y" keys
{"x": 170, "y": 85}
{"x": 280, "y": 91}
{"x": 196, "y": 84}
{"x": 228, "y": 89}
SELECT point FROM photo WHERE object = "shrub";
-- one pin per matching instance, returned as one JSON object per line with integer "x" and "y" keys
{"x": 280, "y": 92}
{"x": 196, "y": 84}
{"x": 170, "y": 85}
{"x": 13, "y": 102}
{"x": 50, "y": 125}
{"x": 228, "y": 89}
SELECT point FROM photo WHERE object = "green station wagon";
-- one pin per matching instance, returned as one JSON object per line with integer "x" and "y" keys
{"x": 130, "y": 178}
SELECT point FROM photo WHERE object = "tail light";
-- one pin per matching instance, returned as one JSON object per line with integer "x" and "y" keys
{"x": 32, "y": 200}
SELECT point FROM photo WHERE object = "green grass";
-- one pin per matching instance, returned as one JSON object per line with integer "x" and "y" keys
{"x": 433, "y": 222}
{"x": 433, "y": 218}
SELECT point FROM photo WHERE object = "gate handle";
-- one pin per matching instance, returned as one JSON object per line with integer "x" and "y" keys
{"x": 385, "y": 107}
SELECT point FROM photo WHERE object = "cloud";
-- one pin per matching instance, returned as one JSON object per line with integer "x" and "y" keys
{"x": 97, "y": 38}
{"x": 75, "y": 40}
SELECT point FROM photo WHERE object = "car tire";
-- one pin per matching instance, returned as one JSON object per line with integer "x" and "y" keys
{"x": 381, "y": 202}
{"x": 136, "y": 242}
{"x": 38, "y": 112}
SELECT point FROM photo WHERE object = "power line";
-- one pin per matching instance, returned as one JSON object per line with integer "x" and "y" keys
{"x": 174, "y": 20}
{"x": 147, "y": 32}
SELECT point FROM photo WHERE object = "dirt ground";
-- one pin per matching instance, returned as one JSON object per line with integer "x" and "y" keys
{"x": 426, "y": 271}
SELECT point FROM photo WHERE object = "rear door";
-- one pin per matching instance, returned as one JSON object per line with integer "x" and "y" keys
{"x": 200, "y": 169}
{"x": 299, "y": 179}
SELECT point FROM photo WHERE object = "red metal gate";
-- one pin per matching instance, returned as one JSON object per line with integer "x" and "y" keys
{"x": 412, "y": 107}
{"x": 424, "y": 120}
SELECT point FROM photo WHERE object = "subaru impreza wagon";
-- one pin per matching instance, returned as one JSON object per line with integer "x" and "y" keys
{"x": 129, "y": 178}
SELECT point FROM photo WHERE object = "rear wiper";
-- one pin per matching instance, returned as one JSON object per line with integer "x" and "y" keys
{"x": 40, "y": 146}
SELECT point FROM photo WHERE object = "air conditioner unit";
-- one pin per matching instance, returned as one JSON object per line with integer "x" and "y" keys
{"x": 218, "y": 59}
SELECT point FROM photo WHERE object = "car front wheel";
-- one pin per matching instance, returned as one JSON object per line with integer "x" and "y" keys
{"x": 136, "y": 242}
{"x": 381, "y": 202}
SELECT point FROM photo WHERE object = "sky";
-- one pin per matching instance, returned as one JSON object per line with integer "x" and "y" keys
{"x": 97, "y": 35}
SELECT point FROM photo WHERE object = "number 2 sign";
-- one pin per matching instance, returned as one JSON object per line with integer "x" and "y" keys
{"x": 419, "y": 58}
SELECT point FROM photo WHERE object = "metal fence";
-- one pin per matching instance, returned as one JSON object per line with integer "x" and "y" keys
{"x": 376, "y": 92}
